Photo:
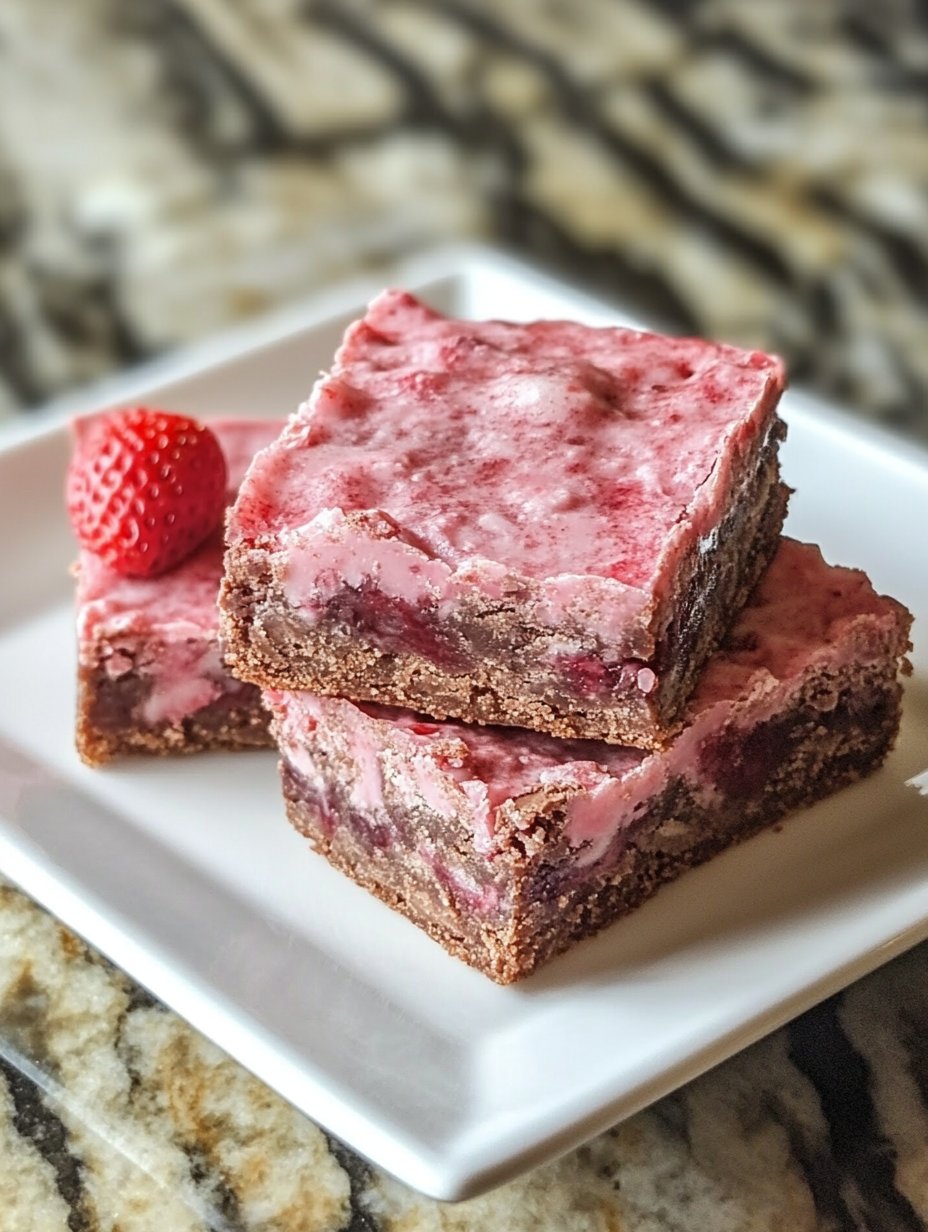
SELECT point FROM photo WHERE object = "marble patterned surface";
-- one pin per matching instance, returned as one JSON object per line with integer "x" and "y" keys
{"x": 115, "y": 1116}
{"x": 753, "y": 171}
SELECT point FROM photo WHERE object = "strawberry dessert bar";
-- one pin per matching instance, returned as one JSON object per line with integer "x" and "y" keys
{"x": 544, "y": 525}
{"x": 507, "y": 846}
{"x": 151, "y": 675}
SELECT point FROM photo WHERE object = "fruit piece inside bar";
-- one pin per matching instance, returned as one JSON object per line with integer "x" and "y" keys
{"x": 547, "y": 525}
{"x": 508, "y": 846}
{"x": 151, "y": 675}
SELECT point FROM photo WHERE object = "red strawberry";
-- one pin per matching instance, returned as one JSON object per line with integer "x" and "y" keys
{"x": 145, "y": 488}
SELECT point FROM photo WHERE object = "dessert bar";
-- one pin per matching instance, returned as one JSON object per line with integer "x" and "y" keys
{"x": 151, "y": 676}
{"x": 507, "y": 846}
{"x": 545, "y": 525}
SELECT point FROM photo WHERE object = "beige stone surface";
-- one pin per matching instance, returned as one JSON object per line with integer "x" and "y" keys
{"x": 115, "y": 1115}
{"x": 754, "y": 172}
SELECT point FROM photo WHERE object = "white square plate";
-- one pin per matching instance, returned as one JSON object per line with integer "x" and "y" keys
{"x": 186, "y": 874}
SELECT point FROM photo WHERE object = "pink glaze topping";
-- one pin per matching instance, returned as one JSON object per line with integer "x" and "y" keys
{"x": 177, "y": 611}
{"x": 806, "y": 614}
{"x": 441, "y": 455}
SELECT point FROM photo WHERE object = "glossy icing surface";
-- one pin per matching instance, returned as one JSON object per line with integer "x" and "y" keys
{"x": 440, "y": 455}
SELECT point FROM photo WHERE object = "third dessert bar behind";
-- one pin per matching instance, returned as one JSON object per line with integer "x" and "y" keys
{"x": 151, "y": 675}
{"x": 543, "y": 525}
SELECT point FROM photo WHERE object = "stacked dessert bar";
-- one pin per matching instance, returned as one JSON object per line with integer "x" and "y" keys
{"x": 517, "y": 602}
{"x": 529, "y": 634}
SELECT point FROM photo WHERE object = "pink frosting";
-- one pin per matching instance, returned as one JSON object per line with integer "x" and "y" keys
{"x": 576, "y": 463}
{"x": 805, "y": 614}
{"x": 175, "y": 614}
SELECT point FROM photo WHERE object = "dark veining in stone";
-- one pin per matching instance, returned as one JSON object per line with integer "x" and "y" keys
{"x": 757, "y": 59}
{"x": 186, "y": 34}
{"x": 138, "y": 998}
{"x": 225, "y": 1214}
{"x": 710, "y": 140}
{"x": 198, "y": 88}
{"x": 424, "y": 106}
{"x": 35, "y": 1121}
{"x": 904, "y": 254}
{"x": 141, "y": 999}
{"x": 818, "y": 1168}
{"x": 85, "y": 313}
{"x": 536, "y": 232}
{"x": 729, "y": 232}
{"x": 578, "y": 106}
{"x": 865, "y": 1193}
{"x": 14, "y": 361}
{"x": 359, "y": 1176}
{"x": 475, "y": 127}
{"x": 211, "y": 99}
{"x": 672, "y": 1114}
{"x": 914, "y": 1039}
{"x": 875, "y": 38}
{"x": 271, "y": 132}
{"x": 23, "y": 1015}
{"x": 13, "y": 216}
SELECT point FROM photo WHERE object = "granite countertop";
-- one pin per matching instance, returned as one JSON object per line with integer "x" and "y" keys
{"x": 755, "y": 172}
{"x": 117, "y": 1115}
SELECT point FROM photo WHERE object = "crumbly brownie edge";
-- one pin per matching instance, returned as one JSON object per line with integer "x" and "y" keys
{"x": 398, "y": 880}
{"x": 219, "y": 725}
{"x": 829, "y": 751}
{"x": 828, "y": 759}
{"x": 692, "y": 630}
{"x": 271, "y": 644}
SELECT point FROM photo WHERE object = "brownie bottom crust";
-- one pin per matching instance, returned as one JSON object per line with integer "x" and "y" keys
{"x": 548, "y": 900}
{"x": 107, "y": 726}
{"x": 485, "y": 664}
